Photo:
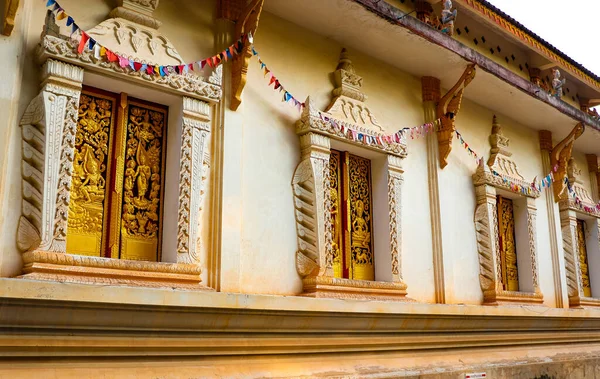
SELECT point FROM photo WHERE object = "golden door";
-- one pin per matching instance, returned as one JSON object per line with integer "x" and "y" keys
{"x": 508, "y": 251}
{"x": 115, "y": 209}
{"x": 351, "y": 216}
{"x": 583, "y": 260}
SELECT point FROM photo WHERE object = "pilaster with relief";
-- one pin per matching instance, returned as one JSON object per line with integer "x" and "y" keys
{"x": 193, "y": 173}
{"x": 395, "y": 182}
{"x": 48, "y": 130}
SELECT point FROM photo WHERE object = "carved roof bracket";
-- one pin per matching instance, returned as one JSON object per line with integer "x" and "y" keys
{"x": 559, "y": 159}
{"x": 447, "y": 109}
{"x": 248, "y": 23}
{"x": 10, "y": 13}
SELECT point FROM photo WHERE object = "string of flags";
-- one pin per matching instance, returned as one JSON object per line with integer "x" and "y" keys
{"x": 100, "y": 52}
{"x": 350, "y": 131}
{"x": 287, "y": 96}
{"x": 88, "y": 42}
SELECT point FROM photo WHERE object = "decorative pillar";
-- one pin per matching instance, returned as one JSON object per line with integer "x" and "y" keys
{"x": 195, "y": 163}
{"x": 568, "y": 225}
{"x": 228, "y": 12}
{"x": 48, "y": 128}
{"x": 592, "y": 161}
{"x": 486, "y": 227}
{"x": 546, "y": 147}
{"x": 395, "y": 181}
{"x": 431, "y": 95}
{"x": 312, "y": 204}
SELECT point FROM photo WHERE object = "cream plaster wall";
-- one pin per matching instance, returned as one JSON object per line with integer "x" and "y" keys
{"x": 11, "y": 49}
{"x": 304, "y": 61}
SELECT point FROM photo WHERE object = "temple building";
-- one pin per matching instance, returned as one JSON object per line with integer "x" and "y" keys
{"x": 294, "y": 189}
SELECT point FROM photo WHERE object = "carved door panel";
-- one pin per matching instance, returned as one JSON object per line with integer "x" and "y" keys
{"x": 352, "y": 216}
{"x": 583, "y": 259}
{"x": 118, "y": 172}
{"x": 92, "y": 168}
{"x": 143, "y": 181}
{"x": 508, "y": 250}
{"x": 335, "y": 178}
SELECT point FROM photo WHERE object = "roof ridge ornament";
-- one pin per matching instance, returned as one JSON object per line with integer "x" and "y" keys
{"x": 137, "y": 11}
{"x": 348, "y": 102}
{"x": 500, "y": 156}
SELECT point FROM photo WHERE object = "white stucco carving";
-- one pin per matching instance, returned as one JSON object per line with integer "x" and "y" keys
{"x": 48, "y": 129}
{"x": 193, "y": 173}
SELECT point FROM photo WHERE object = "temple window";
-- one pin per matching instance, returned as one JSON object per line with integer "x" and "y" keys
{"x": 347, "y": 198}
{"x": 96, "y": 191}
{"x": 117, "y": 192}
{"x": 505, "y": 224}
{"x": 580, "y": 236}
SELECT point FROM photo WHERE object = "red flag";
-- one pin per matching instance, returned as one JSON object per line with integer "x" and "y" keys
{"x": 150, "y": 70}
{"x": 191, "y": 65}
{"x": 137, "y": 66}
{"x": 202, "y": 64}
{"x": 112, "y": 57}
{"x": 83, "y": 42}
{"x": 273, "y": 79}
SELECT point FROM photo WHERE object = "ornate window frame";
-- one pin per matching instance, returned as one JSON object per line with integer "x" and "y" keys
{"x": 48, "y": 129}
{"x": 311, "y": 188}
{"x": 487, "y": 186}
{"x": 570, "y": 212}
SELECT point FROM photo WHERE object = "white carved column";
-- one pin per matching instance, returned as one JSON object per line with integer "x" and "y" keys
{"x": 193, "y": 173}
{"x": 395, "y": 181}
{"x": 568, "y": 224}
{"x": 486, "y": 228}
{"x": 532, "y": 233}
{"x": 48, "y": 128}
{"x": 312, "y": 204}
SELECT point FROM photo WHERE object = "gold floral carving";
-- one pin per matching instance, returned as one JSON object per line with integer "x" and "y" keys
{"x": 447, "y": 109}
{"x": 335, "y": 177}
{"x": 90, "y": 171}
{"x": 508, "y": 250}
{"x": 583, "y": 259}
{"x": 359, "y": 201}
{"x": 10, "y": 13}
{"x": 559, "y": 159}
{"x": 248, "y": 23}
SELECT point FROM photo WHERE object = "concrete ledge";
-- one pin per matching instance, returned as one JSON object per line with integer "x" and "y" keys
{"x": 44, "y": 319}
